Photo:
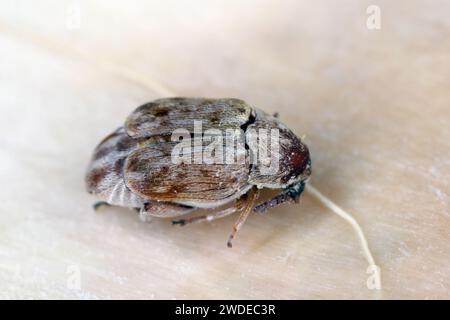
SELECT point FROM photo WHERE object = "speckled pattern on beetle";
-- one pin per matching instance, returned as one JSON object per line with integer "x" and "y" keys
{"x": 132, "y": 167}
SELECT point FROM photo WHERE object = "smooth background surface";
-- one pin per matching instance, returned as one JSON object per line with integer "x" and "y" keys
{"x": 374, "y": 105}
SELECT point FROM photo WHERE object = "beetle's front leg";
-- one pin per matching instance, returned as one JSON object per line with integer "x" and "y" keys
{"x": 238, "y": 206}
{"x": 244, "y": 204}
{"x": 291, "y": 194}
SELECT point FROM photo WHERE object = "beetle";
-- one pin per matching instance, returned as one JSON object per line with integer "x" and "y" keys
{"x": 134, "y": 166}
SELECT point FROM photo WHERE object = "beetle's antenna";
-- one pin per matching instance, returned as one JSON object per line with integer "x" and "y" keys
{"x": 349, "y": 218}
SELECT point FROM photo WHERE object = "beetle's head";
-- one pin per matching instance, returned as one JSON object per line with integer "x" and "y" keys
{"x": 295, "y": 161}
{"x": 297, "y": 164}
{"x": 291, "y": 161}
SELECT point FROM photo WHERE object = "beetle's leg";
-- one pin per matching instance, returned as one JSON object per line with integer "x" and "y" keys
{"x": 292, "y": 194}
{"x": 162, "y": 210}
{"x": 208, "y": 217}
{"x": 238, "y": 206}
{"x": 247, "y": 209}
{"x": 100, "y": 204}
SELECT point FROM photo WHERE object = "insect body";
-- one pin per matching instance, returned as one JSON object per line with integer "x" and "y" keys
{"x": 160, "y": 163}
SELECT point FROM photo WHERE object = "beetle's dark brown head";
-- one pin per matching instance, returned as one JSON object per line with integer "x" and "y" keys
{"x": 295, "y": 161}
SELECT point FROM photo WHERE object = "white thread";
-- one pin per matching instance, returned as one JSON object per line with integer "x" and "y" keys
{"x": 347, "y": 217}
{"x": 104, "y": 64}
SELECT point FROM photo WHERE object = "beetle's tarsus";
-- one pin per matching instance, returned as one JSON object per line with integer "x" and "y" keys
{"x": 96, "y": 206}
{"x": 181, "y": 222}
{"x": 229, "y": 244}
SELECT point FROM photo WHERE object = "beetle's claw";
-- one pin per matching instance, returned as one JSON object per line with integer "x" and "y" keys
{"x": 100, "y": 204}
{"x": 181, "y": 222}
{"x": 230, "y": 239}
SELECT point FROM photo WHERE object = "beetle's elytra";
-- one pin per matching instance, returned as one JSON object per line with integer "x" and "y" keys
{"x": 161, "y": 164}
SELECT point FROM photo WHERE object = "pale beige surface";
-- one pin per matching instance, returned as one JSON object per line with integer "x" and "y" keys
{"x": 375, "y": 106}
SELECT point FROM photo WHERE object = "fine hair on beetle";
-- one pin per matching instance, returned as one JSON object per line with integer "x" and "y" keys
{"x": 228, "y": 146}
